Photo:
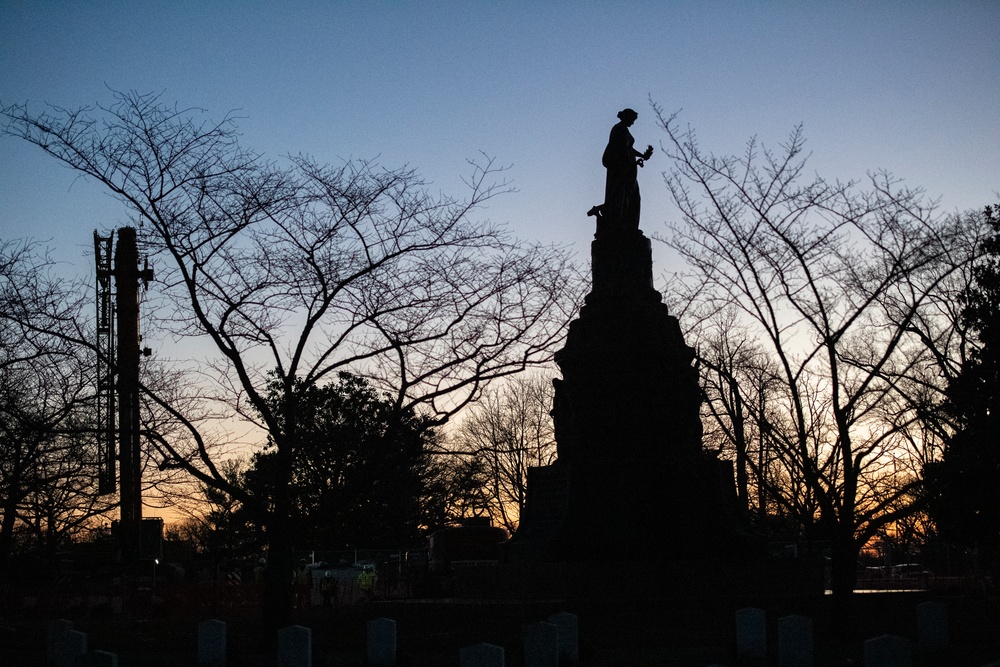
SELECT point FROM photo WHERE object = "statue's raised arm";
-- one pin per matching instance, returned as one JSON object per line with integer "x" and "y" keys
{"x": 621, "y": 193}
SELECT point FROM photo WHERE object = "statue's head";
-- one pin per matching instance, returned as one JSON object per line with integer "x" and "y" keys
{"x": 627, "y": 115}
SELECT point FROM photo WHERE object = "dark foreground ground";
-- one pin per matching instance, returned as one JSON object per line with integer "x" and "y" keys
{"x": 690, "y": 632}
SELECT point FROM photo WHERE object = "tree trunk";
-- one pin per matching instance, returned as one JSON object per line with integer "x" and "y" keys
{"x": 13, "y": 484}
{"x": 277, "y": 610}
{"x": 843, "y": 565}
{"x": 740, "y": 436}
{"x": 277, "y": 602}
{"x": 843, "y": 577}
{"x": 7, "y": 534}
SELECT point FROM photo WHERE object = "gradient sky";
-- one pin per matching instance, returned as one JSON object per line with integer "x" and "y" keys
{"x": 911, "y": 87}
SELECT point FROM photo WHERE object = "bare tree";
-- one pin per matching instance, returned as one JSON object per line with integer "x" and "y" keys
{"x": 508, "y": 431}
{"x": 740, "y": 380}
{"x": 217, "y": 524}
{"x": 303, "y": 270}
{"x": 839, "y": 285}
{"x": 462, "y": 485}
{"x": 48, "y": 462}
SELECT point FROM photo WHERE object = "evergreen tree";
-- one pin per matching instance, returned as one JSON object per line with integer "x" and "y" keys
{"x": 362, "y": 468}
{"x": 965, "y": 484}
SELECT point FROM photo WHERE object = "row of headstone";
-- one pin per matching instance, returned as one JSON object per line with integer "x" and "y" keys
{"x": 294, "y": 645}
{"x": 550, "y": 643}
{"x": 67, "y": 647}
{"x": 795, "y": 638}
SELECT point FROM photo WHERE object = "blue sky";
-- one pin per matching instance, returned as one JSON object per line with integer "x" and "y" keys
{"x": 912, "y": 87}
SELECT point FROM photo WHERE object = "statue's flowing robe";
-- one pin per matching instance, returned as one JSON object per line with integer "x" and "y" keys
{"x": 621, "y": 192}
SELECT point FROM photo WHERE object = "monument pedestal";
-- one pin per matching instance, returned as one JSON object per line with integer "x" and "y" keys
{"x": 631, "y": 481}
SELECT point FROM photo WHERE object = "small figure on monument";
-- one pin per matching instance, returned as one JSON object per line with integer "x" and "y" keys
{"x": 621, "y": 192}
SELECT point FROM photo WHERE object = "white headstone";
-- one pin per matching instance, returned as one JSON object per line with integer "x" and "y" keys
{"x": 69, "y": 646}
{"x": 932, "y": 627}
{"x": 795, "y": 642}
{"x": 541, "y": 645}
{"x": 211, "y": 643}
{"x": 888, "y": 651}
{"x": 382, "y": 642}
{"x": 751, "y": 633}
{"x": 481, "y": 655}
{"x": 294, "y": 647}
{"x": 569, "y": 637}
{"x": 56, "y": 630}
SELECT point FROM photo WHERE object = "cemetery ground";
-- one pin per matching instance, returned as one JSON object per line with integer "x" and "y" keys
{"x": 693, "y": 631}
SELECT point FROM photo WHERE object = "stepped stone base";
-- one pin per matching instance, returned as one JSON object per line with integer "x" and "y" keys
{"x": 631, "y": 475}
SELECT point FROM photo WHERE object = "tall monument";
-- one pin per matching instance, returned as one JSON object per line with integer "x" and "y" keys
{"x": 631, "y": 480}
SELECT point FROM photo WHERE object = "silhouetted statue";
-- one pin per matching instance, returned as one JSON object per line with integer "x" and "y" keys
{"x": 621, "y": 192}
{"x": 630, "y": 470}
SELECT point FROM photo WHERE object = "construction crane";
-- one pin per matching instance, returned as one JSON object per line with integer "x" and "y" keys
{"x": 106, "y": 476}
{"x": 118, "y": 356}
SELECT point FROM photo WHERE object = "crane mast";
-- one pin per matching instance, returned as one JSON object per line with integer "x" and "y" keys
{"x": 118, "y": 354}
{"x": 106, "y": 481}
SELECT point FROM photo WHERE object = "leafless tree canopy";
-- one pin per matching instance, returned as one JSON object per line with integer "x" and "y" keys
{"x": 822, "y": 311}
{"x": 309, "y": 268}
{"x": 302, "y": 269}
{"x": 506, "y": 432}
{"x": 48, "y": 462}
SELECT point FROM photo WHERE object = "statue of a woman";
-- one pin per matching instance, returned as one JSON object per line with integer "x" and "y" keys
{"x": 621, "y": 192}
